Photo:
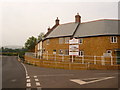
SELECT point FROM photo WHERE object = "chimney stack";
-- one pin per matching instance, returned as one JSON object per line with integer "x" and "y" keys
{"x": 49, "y": 29}
{"x": 57, "y": 21}
{"x": 77, "y": 18}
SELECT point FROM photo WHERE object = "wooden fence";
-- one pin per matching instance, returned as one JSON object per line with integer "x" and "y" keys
{"x": 75, "y": 62}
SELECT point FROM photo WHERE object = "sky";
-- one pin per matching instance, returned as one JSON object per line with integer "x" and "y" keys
{"x": 21, "y": 19}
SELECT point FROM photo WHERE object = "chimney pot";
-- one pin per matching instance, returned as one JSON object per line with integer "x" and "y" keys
{"x": 49, "y": 29}
{"x": 57, "y": 21}
{"x": 78, "y": 18}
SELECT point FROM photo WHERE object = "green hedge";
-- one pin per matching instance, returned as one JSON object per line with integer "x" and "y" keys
{"x": 10, "y": 54}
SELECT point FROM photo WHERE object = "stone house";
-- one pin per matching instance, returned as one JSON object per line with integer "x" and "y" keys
{"x": 96, "y": 38}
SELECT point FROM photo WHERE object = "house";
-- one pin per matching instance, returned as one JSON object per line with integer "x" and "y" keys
{"x": 96, "y": 38}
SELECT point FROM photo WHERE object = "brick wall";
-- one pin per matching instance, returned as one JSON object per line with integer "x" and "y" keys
{"x": 68, "y": 65}
{"x": 91, "y": 45}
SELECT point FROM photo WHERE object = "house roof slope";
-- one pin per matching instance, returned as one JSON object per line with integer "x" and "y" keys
{"x": 100, "y": 27}
{"x": 63, "y": 30}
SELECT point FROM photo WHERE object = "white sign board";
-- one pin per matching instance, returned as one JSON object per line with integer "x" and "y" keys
{"x": 74, "y": 41}
{"x": 74, "y": 53}
{"x": 73, "y": 48}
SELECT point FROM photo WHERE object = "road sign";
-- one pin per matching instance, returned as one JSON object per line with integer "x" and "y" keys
{"x": 74, "y": 41}
{"x": 74, "y": 53}
{"x": 74, "y": 47}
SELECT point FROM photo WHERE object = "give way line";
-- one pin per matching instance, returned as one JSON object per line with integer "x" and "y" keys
{"x": 81, "y": 82}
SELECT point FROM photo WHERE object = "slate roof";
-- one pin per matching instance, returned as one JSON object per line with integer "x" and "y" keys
{"x": 63, "y": 30}
{"x": 100, "y": 27}
{"x": 93, "y": 28}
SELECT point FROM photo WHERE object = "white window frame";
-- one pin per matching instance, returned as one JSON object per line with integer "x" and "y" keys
{"x": 62, "y": 53}
{"x": 112, "y": 39}
{"x": 67, "y": 40}
{"x": 81, "y": 40}
{"x": 61, "y": 40}
{"x": 80, "y": 53}
{"x": 108, "y": 51}
{"x": 66, "y": 52}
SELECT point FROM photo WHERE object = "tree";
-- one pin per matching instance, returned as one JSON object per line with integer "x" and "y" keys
{"x": 41, "y": 36}
{"x": 30, "y": 44}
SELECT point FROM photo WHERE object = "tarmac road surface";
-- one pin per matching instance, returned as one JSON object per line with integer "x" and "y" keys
{"x": 59, "y": 78}
{"x": 13, "y": 73}
{"x": 18, "y": 75}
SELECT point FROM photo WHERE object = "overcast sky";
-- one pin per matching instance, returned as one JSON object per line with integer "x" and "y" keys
{"x": 20, "y": 19}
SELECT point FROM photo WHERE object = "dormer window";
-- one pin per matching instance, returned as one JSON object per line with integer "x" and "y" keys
{"x": 113, "y": 39}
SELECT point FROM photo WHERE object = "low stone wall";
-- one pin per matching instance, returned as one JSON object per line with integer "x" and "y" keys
{"x": 68, "y": 65}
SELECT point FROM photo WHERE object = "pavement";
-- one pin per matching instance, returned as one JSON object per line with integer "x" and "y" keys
{"x": 17, "y": 75}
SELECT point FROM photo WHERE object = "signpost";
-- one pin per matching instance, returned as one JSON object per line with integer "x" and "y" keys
{"x": 73, "y": 47}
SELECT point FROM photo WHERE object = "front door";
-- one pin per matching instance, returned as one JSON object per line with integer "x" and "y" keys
{"x": 118, "y": 57}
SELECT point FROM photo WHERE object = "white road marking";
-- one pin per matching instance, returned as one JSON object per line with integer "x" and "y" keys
{"x": 25, "y": 69}
{"x": 28, "y": 80}
{"x": 35, "y": 76}
{"x": 78, "y": 81}
{"x": 26, "y": 74}
{"x": 28, "y": 84}
{"x": 81, "y": 82}
{"x": 100, "y": 79}
{"x": 37, "y": 84}
{"x": 27, "y": 77}
{"x": 92, "y": 78}
{"x": 36, "y": 80}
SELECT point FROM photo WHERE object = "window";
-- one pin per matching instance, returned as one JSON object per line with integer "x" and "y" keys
{"x": 47, "y": 41}
{"x": 54, "y": 51}
{"x": 43, "y": 50}
{"x": 61, "y": 40}
{"x": 67, "y": 39}
{"x": 109, "y": 51}
{"x": 113, "y": 39}
{"x": 81, "y": 53}
{"x": 81, "y": 41}
{"x": 60, "y": 51}
{"x": 67, "y": 52}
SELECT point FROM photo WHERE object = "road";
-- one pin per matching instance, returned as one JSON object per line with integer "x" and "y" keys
{"x": 17, "y": 75}
{"x": 13, "y": 73}
{"x": 59, "y": 78}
